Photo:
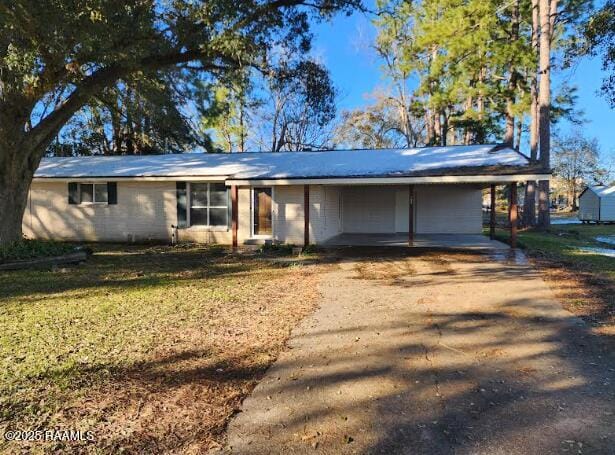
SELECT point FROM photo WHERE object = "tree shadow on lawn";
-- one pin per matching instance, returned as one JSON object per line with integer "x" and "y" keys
{"x": 119, "y": 267}
{"x": 207, "y": 357}
{"x": 115, "y": 267}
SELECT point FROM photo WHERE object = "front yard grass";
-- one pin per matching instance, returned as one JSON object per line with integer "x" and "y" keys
{"x": 583, "y": 280}
{"x": 150, "y": 348}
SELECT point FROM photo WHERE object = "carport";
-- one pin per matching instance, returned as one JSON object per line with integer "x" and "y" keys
{"x": 441, "y": 215}
{"x": 416, "y": 197}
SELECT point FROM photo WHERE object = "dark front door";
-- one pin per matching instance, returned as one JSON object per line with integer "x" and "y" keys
{"x": 262, "y": 211}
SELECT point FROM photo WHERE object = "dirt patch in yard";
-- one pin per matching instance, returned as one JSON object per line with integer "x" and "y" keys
{"x": 385, "y": 270}
{"x": 150, "y": 349}
{"x": 395, "y": 266}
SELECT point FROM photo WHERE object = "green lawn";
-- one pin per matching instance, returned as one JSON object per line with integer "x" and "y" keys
{"x": 564, "y": 243}
{"x": 151, "y": 348}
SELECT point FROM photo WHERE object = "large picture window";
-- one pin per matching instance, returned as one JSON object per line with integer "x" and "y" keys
{"x": 208, "y": 204}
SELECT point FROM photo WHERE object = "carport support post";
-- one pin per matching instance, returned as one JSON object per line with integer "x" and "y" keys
{"x": 492, "y": 214}
{"x": 512, "y": 214}
{"x": 306, "y": 215}
{"x": 410, "y": 215}
{"x": 234, "y": 213}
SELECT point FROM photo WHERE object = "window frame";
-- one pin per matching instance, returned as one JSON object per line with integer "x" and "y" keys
{"x": 208, "y": 207}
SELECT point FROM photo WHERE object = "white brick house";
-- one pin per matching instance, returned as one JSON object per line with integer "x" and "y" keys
{"x": 253, "y": 197}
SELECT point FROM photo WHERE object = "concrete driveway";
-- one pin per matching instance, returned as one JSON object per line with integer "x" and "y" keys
{"x": 435, "y": 353}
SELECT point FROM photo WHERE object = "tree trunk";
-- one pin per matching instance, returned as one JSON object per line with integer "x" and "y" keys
{"x": 467, "y": 135}
{"x": 509, "y": 132}
{"x": 17, "y": 166}
{"x": 444, "y": 130}
{"x": 543, "y": 204}
{"x": 529, "y": 202}
{"x": 437, "y": 139}
{"x": 13, "y": 198}
{"x": 242, "y": 127}
{"x": 544, "y": 105}
{"x": 21, "y": 151}
{"x": 518, "y": 133}
{"x": 428, "y": 128}
{"x": 509, "y": 135}
{"x": 479, "y": 135}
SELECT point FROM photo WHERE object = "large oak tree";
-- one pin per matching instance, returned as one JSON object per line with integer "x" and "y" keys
{"x": 55, "y": 55}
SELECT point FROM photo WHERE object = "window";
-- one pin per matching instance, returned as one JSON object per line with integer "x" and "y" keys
{"x": 92, "y": 193}
{"x": 208, "y": 204}
{"x": 86, "y": 193}
{"x": 100, "y": 192}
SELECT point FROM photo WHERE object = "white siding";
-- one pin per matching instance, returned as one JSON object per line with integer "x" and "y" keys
{"x": 288, "y": 214}
{"x": 607, "y": 208}
{"x": 144, "y": 211}
{"x": 325, "y": 212}
{"x": 589, "y": 206}
{"x": 439, "y": 209}
{"x": 448, "y": 209}
{"x": 368, "y": 209}
{"x": 402, "y": 203}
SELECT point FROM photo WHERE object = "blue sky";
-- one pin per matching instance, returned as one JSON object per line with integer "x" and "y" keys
{"x": 343, "y": 45}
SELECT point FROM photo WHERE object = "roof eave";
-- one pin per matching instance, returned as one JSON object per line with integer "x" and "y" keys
{"x": 391, "y": 180}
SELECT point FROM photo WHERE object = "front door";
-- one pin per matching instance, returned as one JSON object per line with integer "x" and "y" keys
{"x": 261, "y": 211}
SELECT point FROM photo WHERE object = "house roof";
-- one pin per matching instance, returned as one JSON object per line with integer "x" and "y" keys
{"x": 409, "y": 162}
{"x": 601, "y": 190}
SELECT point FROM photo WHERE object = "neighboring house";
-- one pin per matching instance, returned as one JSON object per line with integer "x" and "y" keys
{"x": 597, "y": 203}
{"x": 253, "y": 197}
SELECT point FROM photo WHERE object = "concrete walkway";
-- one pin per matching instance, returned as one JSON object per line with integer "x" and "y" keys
{"x": 434, "y": 354}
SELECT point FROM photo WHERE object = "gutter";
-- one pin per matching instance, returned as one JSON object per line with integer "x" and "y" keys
{"x": 391, "y": 180}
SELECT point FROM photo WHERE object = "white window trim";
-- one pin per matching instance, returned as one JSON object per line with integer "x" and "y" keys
{"x": 262, "y": 236}
{"x": 94, "y": 201}
{"x": 205, "y": 227}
